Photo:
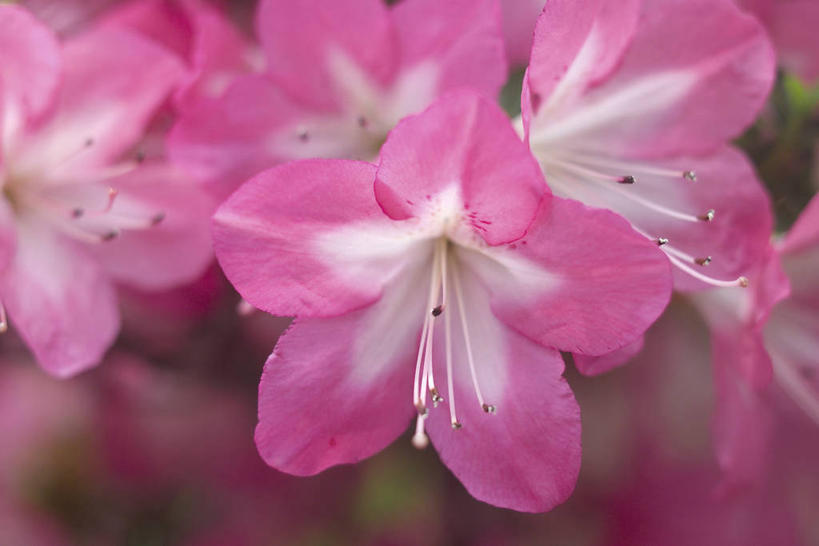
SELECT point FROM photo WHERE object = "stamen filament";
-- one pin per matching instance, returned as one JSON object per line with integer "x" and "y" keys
{"x": 605, "y": 162}
{"x": 4, "y": 323}
{"x": 462, "y": 313}
{"x": 739, "y": 281}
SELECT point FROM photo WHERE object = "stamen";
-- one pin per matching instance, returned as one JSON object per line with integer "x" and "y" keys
{"x": 303, "y": 135}
{"x": 739, "y": 281}
{"x": 703, "y": 261}
{"x": 625, "y": 166}
{"x": 590, "y": 172}
{"x": 488, "y": 408}
{"x": 465, "y": 329}
{"x": 627, "y": 180}
{"x": 662, "y": 241}
{"x": 362, "y": 122}
{"x": 708, "y": 216}
{"x": 450, "y": 379}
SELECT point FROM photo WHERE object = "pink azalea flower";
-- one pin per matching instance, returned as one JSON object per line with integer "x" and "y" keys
{"x": 444, "y": 270}
{"x": 628, "y": 105}
{"x": 758, "y": 336}
{"x": 792, "y": 331}
{"x": 196, "y": 31}
{"x": 792, "y": 26}
{"x": 339, "y": 76}
{"x": 79, "y": 212}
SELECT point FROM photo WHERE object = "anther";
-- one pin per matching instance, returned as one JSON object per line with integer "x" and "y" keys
{"x": 139, "y": 157}
{"x": 88, "y": 142}
{"x": 743, "y": 282}
{"x": 157, "y": 218}
{"x": 422, "y": 409}
{"x": 488, "y": 408}
{"x": 77, "y": 213}
{"x": 708, "y": 216}
{"x": 662, "y": 241}
{"x": 436, "y": 396}
{"x": 627, "y": 180}
{"x": 456, "y": 425}
{"x": 690, "y": 175}
{"x": 703, "y": 261}
{"x": 362, "y": 122}
{"x": 436, "y": 311}
{"x": 303, "y": 135}
{"x": 110, "y": 236}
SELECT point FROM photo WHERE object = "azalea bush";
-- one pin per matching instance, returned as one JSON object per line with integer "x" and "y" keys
{"x": 409, "y": 272}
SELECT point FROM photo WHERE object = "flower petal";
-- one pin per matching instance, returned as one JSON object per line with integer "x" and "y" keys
{"x": 29, "y": 68}
{"x": 526, "y": 456}
{"x": 466, "y": 142}
{"x": 8, "y": 234}
{"x": 581, "y": 280}
{"x": 315, "y": 227}
{"x": 301, "y": 39}
{"x": 596, "y": 365}
{"x": 805, "y": 232}
{"x": 462, "y": 37}
{"x": 706, "y": 86}
{"x": 519, "y": 18}
{"x": 59, "y": 301}
{"x": 337, "y": 390}
{"x": 176, "y": 250}
{"x": 576, "y": 43}
{"x": 114, "y": 82}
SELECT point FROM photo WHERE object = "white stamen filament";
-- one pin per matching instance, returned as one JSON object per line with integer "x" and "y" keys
{"x": 625, "y": 166}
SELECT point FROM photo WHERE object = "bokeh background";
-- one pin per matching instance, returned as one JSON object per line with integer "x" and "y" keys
{"x": 155, "y": 447}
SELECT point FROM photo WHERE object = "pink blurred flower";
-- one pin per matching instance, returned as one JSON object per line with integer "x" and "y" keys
{"x": 339, "y": 76}
{"x": 519, "y": 18}
{"x": 456, "y": 239}
{"x": 80, "y": 212}
{"x": 630, "y": 106}
{"x": 792, "y": 26}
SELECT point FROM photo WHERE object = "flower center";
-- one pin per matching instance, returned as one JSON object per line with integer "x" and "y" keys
{"x": 444, "y": 269}
{"x": 620, "y": 179}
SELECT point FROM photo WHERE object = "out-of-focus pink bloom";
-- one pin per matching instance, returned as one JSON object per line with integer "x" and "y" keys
{"x": 792, "y": 26}
{"x": 79, "y": 210}
{"x": 628, "y": 105}
{"x": 455, "y": 242}
{"x": 792, "y": 331}
{"x": 196, "y": 31}
{"x": 519, "y": 18}
{"x": 339, "y": 76}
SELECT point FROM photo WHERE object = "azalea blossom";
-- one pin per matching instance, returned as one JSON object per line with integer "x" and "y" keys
{"x": 791, "y": 25}
{"x": 80, "y": 211}
{"x": 629, "y": 105}
{"x": 443, "y": 276}
{"x": 339, "y": 76}
{"x": 764, "y": 336}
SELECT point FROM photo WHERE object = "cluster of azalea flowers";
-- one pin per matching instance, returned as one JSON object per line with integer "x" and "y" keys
{"x": 352, "y": 168}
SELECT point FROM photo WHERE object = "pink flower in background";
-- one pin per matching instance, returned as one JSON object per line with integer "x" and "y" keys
{"x": 792, "y": 331}
{"x": 79, "y": 210}
{"x": 519, "y": 18}
{"x": 339, "y": 76}
{"x": 792, "y": 26}
{"x": 215, "y": 50}
{"x": 629, "y": 106}
{"x": 455, "y": 243}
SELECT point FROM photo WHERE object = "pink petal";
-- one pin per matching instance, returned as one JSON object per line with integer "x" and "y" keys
{"x": 526, "y": 456}
{"x": 465, "y": 142}
{"x": 114, "y": 82}
{"x": 805, "y": 232}
{"x": 299, "y": 39}
{"x": 575, "y": 44}
{"x": 462, "y": 37}
{"x": 29, "y": 67}
{"x": 59, "y": 301}
{"x": 174, "y": 252}
{"x": 337, "y": 390}
{"x": 227, "y": 140}
{"x": 8, "y": 234}
{"x": 580, "y": 280}
{"x": 596, "y": 365}
{"x": 519, "y": 18}
{"x": 685, "y": 85}
{"x": 313, "y": 226}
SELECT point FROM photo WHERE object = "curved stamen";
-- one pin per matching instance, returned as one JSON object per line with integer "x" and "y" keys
{"x": 470, "y": 358}
{"x": 739, "y": 281}
{"x": 626, "y": 166}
